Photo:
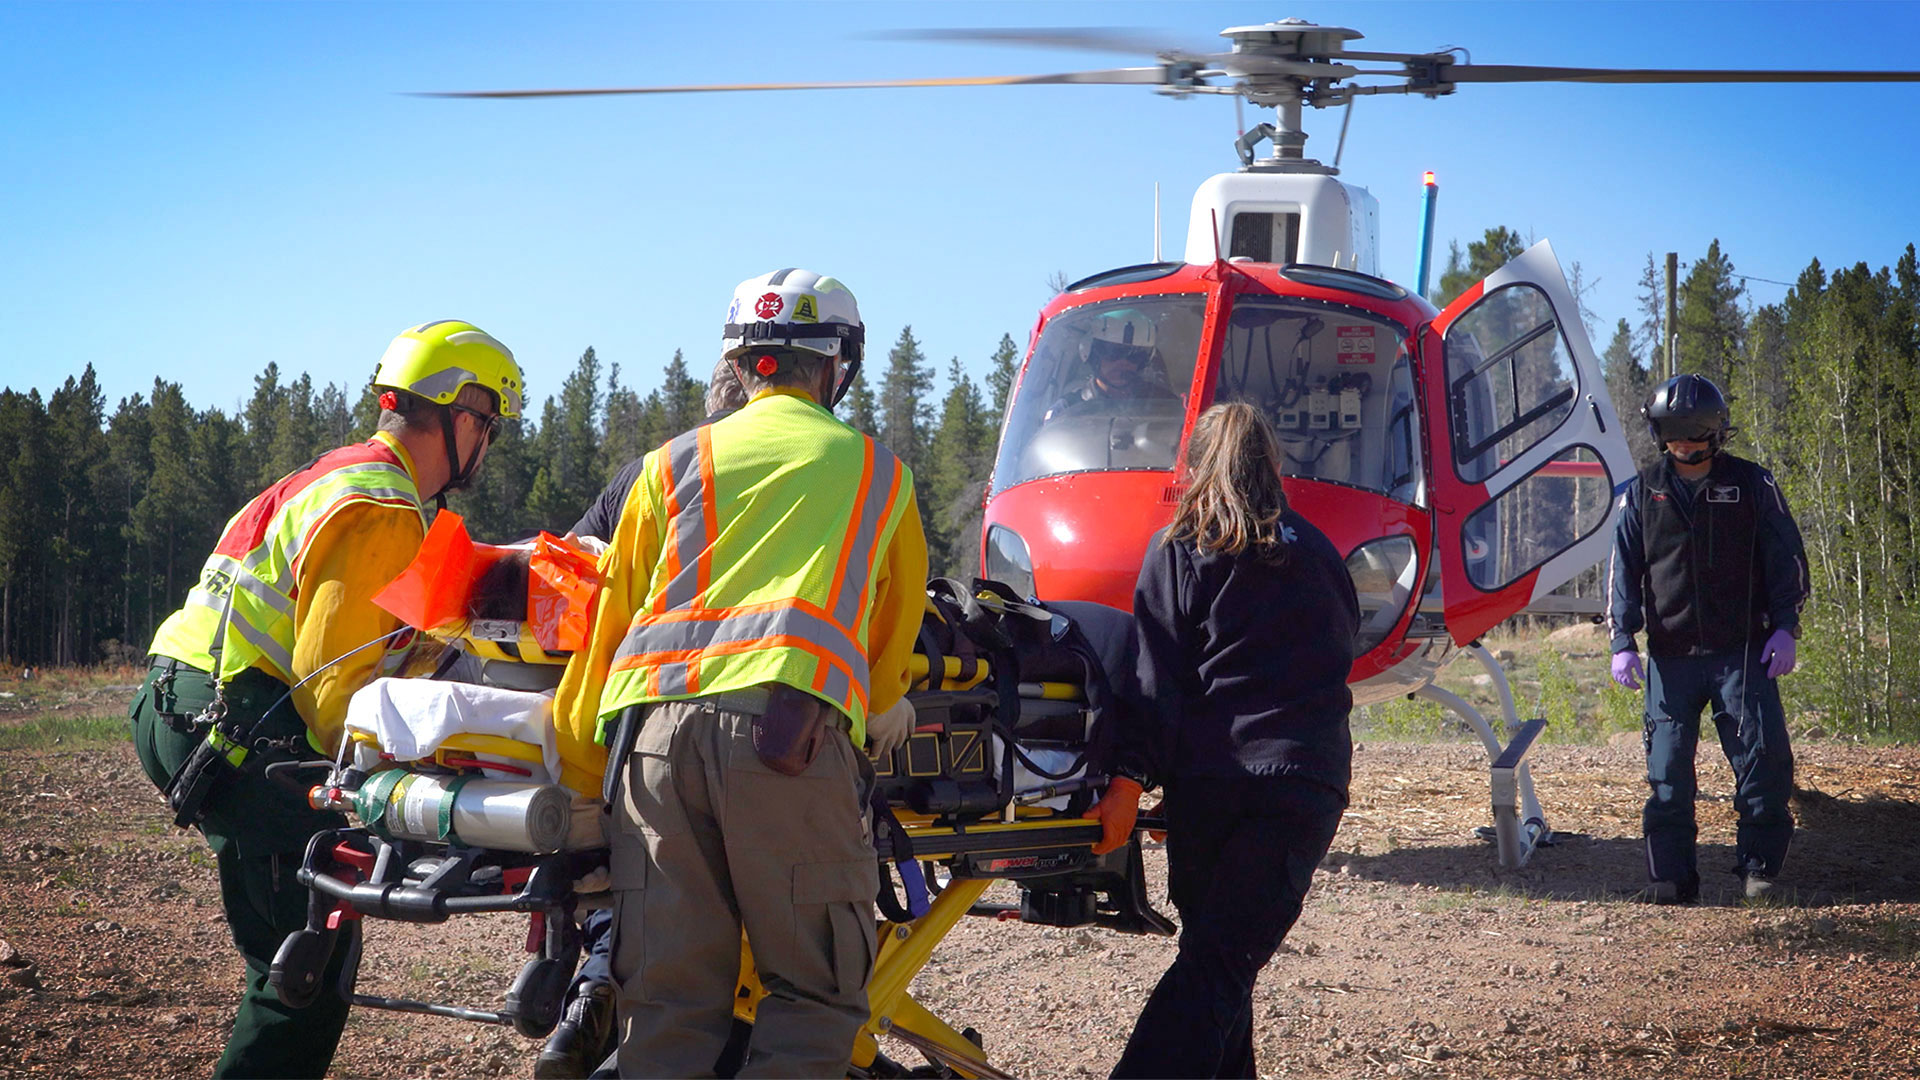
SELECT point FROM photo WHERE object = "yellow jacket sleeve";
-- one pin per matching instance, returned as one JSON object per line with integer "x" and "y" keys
{"x": 626, "y": 567}
{"x": 899, "y": 603}
{"x": 361, "y": 548}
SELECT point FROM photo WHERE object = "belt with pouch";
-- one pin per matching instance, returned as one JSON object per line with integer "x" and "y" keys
{"x": 789, "y": 726}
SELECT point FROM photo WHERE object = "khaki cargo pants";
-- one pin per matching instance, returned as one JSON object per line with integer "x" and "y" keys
{"x": 707, "y": 839}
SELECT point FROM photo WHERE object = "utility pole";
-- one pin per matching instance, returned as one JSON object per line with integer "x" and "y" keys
{"x": 1673, "y": 307}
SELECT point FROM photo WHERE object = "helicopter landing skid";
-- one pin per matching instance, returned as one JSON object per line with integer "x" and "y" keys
{"x": 1519, "y": 826}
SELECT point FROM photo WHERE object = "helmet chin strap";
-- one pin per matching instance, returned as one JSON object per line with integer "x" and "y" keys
{"x": 462, "y": 474}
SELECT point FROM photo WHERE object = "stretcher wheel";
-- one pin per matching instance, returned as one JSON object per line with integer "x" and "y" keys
{"x": 538, "y": 995}
{"x": 299, "y": 966}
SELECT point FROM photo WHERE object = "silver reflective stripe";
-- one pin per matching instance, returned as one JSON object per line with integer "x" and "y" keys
{"x": 673, "y": 679}
{"x": 446, "y": 383}
{"x": 265, "y": 645}
{"x": 200, "y": 597}
{"x": 836, "y": 687}
{"x": 265, "y": 593}
{"x": 853, "y": 589}
{"x": 690, "y": 537}
{"x": 689, "y": 635}
{"x": 291, "y": 552}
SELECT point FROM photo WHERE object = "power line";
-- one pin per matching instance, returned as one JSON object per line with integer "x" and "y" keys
{"x": 1770, "y": 281}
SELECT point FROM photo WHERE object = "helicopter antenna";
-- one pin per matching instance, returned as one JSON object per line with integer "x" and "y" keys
{"x": 1156, "y": 221}
{"x": 1215, "y": 214}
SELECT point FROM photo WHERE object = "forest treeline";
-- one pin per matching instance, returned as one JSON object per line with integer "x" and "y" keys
{"x": 106, "y": 514}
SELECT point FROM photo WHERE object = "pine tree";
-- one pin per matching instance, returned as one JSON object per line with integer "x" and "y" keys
{"x": 130, "y": 464}
{"x": 1710, "y": 323}
{"x": 622, "y": 439}
{"x": 683, "y": 400}
{"x": 954, "y": 481}
{"x": 1498, "y": 247}
{"x": 296, "y": 433}
{"x": 1627, "y": 385}
{"x": 858, "y": 405}
{"x": 175, "y": 500}
{"x": 905, "y": 410}
{"x": 1005, "y": 367}
{"x": 262, "y": 415}
{"x": 1650, "y": 336}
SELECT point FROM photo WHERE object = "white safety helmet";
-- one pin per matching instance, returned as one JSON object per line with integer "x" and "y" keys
{"x": 797, "y": 310}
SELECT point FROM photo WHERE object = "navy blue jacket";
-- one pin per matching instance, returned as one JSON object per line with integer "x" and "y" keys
{"x": 604, "y": 514}
{"x": 1704, "y": 573}
{"x": 1242, "y": 667}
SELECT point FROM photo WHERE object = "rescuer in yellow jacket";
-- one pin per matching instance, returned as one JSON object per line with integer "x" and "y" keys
{"x": 761, "y": 596}
{"x": 279, "y": 632}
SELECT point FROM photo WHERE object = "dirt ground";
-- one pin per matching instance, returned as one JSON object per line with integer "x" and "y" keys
{"x": 1416, "y": 957}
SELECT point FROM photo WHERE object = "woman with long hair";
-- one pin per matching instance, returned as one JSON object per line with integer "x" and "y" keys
{"x": 1245, "y": 619}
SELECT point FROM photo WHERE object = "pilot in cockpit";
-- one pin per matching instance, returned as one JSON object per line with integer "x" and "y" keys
{"x": 1123, "y": 367}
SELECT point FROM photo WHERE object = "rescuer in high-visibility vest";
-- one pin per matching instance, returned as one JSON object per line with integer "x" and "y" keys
{"x": 760, "y": 600}
{"x": 278, "y": 633}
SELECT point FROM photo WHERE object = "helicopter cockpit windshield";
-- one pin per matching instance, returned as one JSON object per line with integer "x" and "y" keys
{"x": 1105, "y": 390}
{"x": 1337, "y": 385}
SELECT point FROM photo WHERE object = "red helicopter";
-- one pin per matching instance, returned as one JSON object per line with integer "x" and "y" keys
{"x": 1466, "y": 459}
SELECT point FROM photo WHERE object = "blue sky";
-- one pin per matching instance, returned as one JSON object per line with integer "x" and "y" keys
{"x": 192, "y": 190}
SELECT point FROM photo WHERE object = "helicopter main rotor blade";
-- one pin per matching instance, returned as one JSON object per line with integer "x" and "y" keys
{"x": 1510, "y": 73}
{"x": 1115, "y": 39}
{"x": 1139, "y": 76}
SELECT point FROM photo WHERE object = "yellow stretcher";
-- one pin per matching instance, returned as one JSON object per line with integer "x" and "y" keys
{"x": 975, "y": 799}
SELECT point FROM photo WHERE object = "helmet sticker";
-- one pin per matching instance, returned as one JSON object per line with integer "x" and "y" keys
{"x": 733, "y": 311}
{"x": 805, "y": 309}
{"x": 769, "y": 305}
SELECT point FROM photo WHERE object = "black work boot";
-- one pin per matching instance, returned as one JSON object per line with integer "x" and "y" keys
{"x": 582, "y": 1039}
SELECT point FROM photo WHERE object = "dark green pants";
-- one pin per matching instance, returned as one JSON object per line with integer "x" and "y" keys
{"x": 258, "y": 831}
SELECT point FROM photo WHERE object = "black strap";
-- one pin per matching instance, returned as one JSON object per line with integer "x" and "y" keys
{"x": 777, "y": 331}
{"x": 900, "y": 847}
{"x": 625, "y": 730}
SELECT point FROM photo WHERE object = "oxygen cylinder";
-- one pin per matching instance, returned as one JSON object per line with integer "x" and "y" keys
{"x": 508, "y": 815}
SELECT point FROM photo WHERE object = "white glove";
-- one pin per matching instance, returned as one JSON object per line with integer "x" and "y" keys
{"x": 887, "y": 731}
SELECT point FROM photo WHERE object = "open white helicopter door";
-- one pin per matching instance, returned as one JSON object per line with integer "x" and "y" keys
{"x": 1527, "y": 457}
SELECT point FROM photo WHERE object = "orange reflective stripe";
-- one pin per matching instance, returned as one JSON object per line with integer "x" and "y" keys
{"x": 853, "y": 525}
{"x": 671, "y": 548}
{"x": 709, "y": 513}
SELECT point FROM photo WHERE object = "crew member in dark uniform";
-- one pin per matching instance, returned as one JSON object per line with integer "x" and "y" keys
{"x": 1244, "y": 620}
{"x": 1708, "y": 560}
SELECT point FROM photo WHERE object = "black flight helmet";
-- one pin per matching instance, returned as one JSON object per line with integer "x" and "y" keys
{"x": 1689, "y": 408}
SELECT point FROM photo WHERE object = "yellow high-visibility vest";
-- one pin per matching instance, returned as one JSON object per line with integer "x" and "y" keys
{"x": 773, "y": 523}
{"x": 255, "y": 567}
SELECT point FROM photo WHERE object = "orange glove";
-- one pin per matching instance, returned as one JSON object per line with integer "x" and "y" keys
{"x": 1116, "y": 812}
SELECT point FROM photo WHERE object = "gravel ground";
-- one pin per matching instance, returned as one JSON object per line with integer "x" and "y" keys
{"x": 1416, "y": 957}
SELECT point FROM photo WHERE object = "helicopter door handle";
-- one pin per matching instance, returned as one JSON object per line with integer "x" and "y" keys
{"x": 1597, "y": 418}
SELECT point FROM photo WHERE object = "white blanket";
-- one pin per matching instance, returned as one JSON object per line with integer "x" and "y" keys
{"x": 411, "y": 718}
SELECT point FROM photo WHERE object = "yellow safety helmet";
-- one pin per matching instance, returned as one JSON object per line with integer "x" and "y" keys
{"x": 434, "y": 360}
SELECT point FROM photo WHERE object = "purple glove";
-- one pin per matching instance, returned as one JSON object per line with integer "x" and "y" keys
{"x": 1627, "y": 670}
{"x": 1780, "y": 652}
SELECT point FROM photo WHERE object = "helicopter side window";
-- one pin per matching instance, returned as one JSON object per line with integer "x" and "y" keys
{"x": 1510, "y": 379}
{"x": 1337, "y": 385}
{"x": 1105, "y": 389}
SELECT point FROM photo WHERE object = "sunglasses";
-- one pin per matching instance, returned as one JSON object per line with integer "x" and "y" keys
{"x": 489, "y": 422}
